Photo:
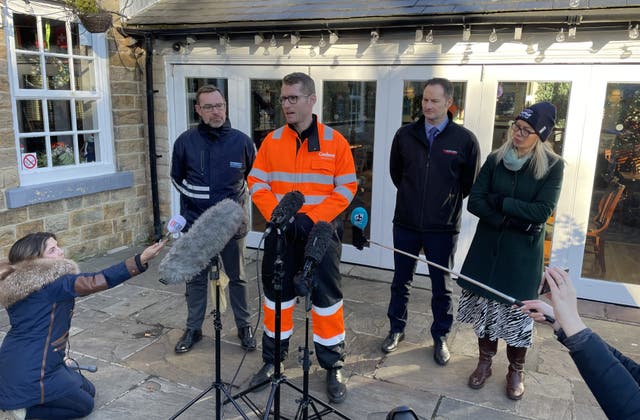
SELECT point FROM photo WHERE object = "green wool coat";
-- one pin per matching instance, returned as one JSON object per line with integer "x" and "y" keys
{"x": 507, "y": 259}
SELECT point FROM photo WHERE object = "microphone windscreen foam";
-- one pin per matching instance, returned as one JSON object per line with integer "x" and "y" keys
{"x": 319, "y": 239}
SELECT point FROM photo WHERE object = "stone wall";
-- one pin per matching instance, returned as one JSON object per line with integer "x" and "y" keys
{"x": 95, "y": 223}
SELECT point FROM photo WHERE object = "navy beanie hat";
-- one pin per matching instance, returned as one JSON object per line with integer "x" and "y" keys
{"x": 541, "y": 117}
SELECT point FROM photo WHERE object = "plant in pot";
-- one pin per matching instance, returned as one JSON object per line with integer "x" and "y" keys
{"x": 94, "y": 18}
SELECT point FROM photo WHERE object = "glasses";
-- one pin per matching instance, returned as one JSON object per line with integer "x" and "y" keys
{"x": 211, "y": 107}
{"x": 524, "y": 132}
{"x": 292, "y": 99}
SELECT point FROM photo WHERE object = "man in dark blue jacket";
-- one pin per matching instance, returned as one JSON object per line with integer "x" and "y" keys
{"x": 210, "y": 163}
{"x": 433, "y": 164}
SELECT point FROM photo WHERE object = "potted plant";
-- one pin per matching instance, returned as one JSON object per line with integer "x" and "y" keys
{"x": 94, "y": 18}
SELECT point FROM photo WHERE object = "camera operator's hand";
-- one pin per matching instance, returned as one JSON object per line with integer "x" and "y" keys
{"x": 152, "y": 251}
{"x": 537, "y": 309}
{"x": 527, "y": 227}
{"x": 564, "y": 300}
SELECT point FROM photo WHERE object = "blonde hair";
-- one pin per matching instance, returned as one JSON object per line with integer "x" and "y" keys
{"x": 542, "y": 155}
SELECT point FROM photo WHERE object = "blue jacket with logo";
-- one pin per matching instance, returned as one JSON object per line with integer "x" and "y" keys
{"x": 432, "y": 180}
{"x": 211, "y": 164}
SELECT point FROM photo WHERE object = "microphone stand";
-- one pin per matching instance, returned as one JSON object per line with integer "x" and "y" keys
{"x": 214, "y": 276}
{"x": 278, "y": 378}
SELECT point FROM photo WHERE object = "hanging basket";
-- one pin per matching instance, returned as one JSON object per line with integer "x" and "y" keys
{"x": 96, "y": 22}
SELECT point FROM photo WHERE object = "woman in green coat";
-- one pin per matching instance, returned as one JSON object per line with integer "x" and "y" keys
{"x": 515, "y": 193}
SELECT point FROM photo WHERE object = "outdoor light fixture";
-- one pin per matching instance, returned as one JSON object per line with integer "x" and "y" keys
{"x": 322, "y": 43}
{"x": 560, "y": 35}
{"x": 375, "y": 36}
{"x": 273, "y": 43}
{"x": 429, "y": 38}
{"x": 419, "y": 35}
{"x": 333, "y": 38}
{"x": 634, "y": 32}
{"x": 574, "y": 3}
{"x": 258, "y": 39}
{"x": 572, "y": 32}
{"x": 223, "y": 40}
{"x": 312, "y": 52}
{"x": 466, "y": 33}
{"x": 493, "y": 36}
{"x": 295, "y": 38}
{"x": 517, "y": 33}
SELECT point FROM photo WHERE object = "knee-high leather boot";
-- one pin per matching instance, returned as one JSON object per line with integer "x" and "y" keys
{"x": 515, "y": 377}
{"x": 487, "y": 349}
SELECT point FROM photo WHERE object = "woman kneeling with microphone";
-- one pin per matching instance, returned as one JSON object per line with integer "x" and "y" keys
{"x": 38, "y": 287}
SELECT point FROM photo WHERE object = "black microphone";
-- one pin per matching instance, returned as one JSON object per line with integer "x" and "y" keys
{"x": 207, "y": 237}
{"x": 285, "y": 211}
{"x": 319, "y": 239}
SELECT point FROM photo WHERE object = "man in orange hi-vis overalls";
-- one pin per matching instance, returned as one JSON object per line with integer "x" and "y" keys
{"x": 310, "y": 157}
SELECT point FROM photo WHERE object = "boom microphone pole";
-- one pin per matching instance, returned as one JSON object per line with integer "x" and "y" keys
{"x": 359, "y": 219}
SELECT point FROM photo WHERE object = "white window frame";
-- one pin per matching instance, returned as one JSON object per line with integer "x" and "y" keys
{"x": 101, "y": 96}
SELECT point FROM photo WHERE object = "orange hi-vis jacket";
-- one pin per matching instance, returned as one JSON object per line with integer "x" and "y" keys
{"x": 322, "y": 169}
{"x": 326, "y": 177}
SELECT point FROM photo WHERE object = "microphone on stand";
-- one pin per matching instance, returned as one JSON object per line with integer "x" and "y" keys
{"x": 319, "y": 239}
{"x": 285, "y": 211}
{"x": 207, "y": 237}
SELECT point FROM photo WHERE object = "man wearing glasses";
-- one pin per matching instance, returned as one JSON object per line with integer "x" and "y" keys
{"x": 210, "y": 163}
{"x": 310, "y": 157}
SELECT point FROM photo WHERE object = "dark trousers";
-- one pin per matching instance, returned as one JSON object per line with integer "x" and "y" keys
{"x": 439, "y": 248}
{"x": 232, "y": 257}
{"x": 78, "y": 404}
{"x": 327, "y": 291}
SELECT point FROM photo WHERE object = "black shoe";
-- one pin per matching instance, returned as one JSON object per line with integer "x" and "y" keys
{"x": 263, "y": 377}
{"x": 188, "y": 339}
{"x": 336, "y": 385}
{"x": 247, "y": 340}
{"x": 441, "y": 351}
{"x": 391, "y": 342}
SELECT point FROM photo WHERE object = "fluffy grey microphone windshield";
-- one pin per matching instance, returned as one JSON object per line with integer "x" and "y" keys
{"x": 208, "y": 235}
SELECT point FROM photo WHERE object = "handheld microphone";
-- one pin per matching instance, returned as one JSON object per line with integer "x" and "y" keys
{"x": 175, "y": 226}
{"x": 359, "y": 221}
{"x": 209, "y": 234}
{"x": 319, "y": 239}
{"x": 285, "y": 211}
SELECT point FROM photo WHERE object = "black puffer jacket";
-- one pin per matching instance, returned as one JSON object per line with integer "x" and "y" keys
{"x": 211, "y": 164}
{"x": 432, "y": 180}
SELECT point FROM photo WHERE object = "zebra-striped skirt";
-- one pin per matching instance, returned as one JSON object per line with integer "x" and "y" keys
{"x": 498, "y": 320}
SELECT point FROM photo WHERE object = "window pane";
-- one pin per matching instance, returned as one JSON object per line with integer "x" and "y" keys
{"x": 29, "y": 71}
{"x": 266, "y": 115}
{"x": 350, "y": 108}
{"x": 54, "y": 33}
{"x": 30, "y": 117}
{"x": 193, "y": 84}
{"x": 58, "y": 73}
{"x": 86, "y": 115}
{"x": 412, "y": 101}
{"x": 81, "y": 40}
{"x": 26, "y": 33}
{"x": 59, "y": 115}
{"x": 87, "y": 144}
{"x": 613, "y": 238}
{"x": 84, "y": 74}
{"x": 62, "y": 150}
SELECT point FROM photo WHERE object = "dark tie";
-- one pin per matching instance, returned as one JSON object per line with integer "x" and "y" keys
{"x": 433, "y": 131}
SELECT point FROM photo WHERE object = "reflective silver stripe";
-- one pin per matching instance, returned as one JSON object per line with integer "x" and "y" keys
{"x": 345, "y": 179}
{"x": 189, "y": 193}
{"x": 260, "y": 174}
{"x": 345, "y": 192}
{"x": 277, "y": 134}
{"x": 195, "y": 187}
{"x": 328, "y": 133}
{"x": 314, "y": 199}
{"x": 259, "y": 186}
{"x": 301, "y": 178}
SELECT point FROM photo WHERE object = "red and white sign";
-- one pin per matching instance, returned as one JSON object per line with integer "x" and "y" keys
{"x": 29, "y": 161}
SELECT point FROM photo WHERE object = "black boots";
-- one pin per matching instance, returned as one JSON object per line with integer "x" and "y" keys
{"x": 515, "y": 377}
{"x": 336, "y": 385}
{"x": 487, "y": 349}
